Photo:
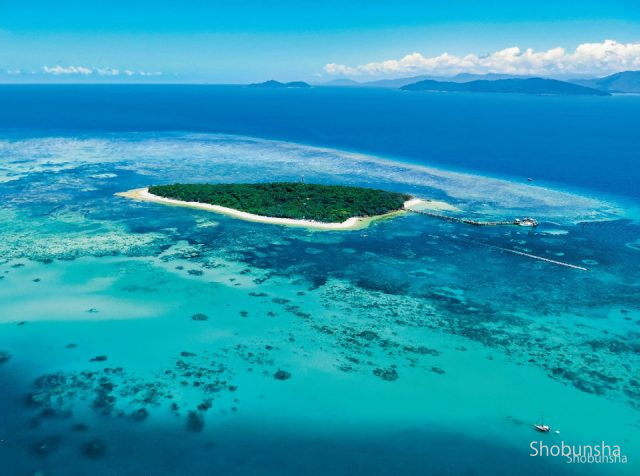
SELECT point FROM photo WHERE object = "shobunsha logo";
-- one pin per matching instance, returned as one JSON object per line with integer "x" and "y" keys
{"x": 601, "y": 453}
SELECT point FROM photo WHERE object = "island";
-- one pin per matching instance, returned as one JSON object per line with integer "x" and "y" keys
{"x": 315, "y": 206}
{"x": 520, "y": 86}
{"x": 272, "y": 84}
{"x": 623, "y": 82}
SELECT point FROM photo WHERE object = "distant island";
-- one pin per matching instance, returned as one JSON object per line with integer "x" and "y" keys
{"x": 623, "y": 82}
{"x": 396, "y": 83}
{"x": 618, "y": 83}
{"x": 272, "y": 84}
{"x": 521, "y": 86}
{"x": 458, "y": 78}
{"x": 285, "y": 203}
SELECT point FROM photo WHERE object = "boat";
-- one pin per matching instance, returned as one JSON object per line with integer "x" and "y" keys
{"x": 542, "y": 428}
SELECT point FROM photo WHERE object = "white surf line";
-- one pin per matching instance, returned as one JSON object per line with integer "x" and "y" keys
{"x": 528, "y": 255}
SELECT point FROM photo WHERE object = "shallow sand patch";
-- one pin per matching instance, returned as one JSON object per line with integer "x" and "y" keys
{"x": 433, "y": 205}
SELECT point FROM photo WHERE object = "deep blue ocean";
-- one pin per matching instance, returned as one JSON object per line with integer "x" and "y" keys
{"x": 590, "y": 142}
{"x": 139, "y": 339}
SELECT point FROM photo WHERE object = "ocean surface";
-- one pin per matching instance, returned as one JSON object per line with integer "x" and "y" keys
{"x": 141, "y": 339}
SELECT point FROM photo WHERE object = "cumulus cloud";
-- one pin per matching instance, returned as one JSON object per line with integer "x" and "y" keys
{"x": 107, "y": 71}
{"x": 87, "y": 71}
{"x": 57, "y": 70}
{"x": 588, "y": 58}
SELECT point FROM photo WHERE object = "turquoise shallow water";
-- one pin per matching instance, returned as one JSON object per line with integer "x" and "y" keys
{"x": 143, "y": 339}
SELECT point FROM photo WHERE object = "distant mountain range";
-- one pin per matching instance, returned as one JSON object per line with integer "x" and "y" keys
{"x": 400, "y": 82}
{"x": 521, "y": 86}
{"x": 459, "y": 78}
{"x": 624, "y": 82}
{"x": 272, "y": 84}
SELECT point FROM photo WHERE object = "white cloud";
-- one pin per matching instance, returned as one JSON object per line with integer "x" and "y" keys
{"x": 58, "y": 70}
{"x": 588, "y": 58}
{"x": 107, "y": 71}
{"x": 88, "y": 71}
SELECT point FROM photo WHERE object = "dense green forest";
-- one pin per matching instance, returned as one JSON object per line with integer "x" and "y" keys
{"x": 324, "y": 203}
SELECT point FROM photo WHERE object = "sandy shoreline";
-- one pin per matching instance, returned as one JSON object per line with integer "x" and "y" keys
{"x": 353, "y": 223}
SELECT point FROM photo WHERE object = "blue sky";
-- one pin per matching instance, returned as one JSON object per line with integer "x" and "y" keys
{"x": 238, "y": 41}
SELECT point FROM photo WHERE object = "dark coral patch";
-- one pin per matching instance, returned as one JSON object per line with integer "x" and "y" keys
{"x": 4, "y": 357}
{"x": 386, "y": 374}
{"x": 93, "y": 449}
{"x": 195, "y": 421}
{"x": 282, "y": 375}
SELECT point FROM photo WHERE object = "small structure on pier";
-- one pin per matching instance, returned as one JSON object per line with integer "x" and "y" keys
{"x": 525, "y": 222}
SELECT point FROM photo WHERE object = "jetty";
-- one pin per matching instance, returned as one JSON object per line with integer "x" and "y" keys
{"x": 515, "y": 222}
{"x": 530, "y": 222}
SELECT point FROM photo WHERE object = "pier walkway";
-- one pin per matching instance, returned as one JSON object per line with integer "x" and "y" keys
{"x": 524, "y": 222}
{"x": 516, "y": 222}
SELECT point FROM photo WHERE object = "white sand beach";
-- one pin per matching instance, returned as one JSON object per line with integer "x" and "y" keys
{"x": 353, "y": 223}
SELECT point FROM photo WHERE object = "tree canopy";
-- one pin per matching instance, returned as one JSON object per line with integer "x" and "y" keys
{"x": 297, "y": 200}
